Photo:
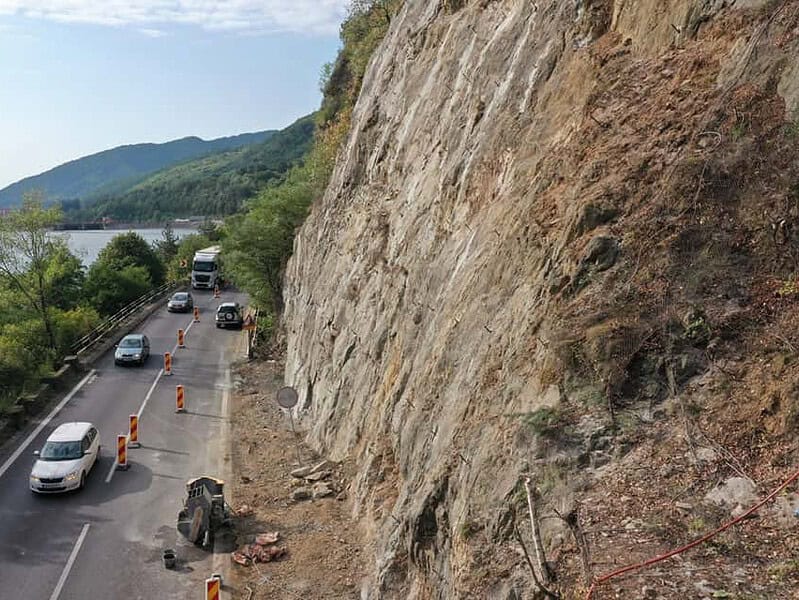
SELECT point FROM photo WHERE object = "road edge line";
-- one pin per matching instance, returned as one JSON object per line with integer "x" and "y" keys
{"x": 27, "y": 442}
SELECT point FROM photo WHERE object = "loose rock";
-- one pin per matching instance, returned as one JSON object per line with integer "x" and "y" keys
{"x": 322, "y": 490}
{"x": 301, "y": 472}
{"x": 318, "y": 476}
{"x": 300, "y": 494}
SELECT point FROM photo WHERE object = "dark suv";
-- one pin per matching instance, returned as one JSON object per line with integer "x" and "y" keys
{"x": 229, "y": 314}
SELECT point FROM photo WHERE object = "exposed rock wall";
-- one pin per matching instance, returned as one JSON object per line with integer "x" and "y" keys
{"x": 484, "y": 212}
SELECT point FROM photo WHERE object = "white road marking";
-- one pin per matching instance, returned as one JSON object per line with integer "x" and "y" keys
{"x": 149, "y": 393}
{"x": 138, "y": 415}
{"x": 147, "y": 397}
{"x": 70, "y": 561}
{"x": 185, "y": 332}
{"x": 44, "y": 423}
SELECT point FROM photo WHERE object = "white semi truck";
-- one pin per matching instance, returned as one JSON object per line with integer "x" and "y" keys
{"x": 206, "y": 268}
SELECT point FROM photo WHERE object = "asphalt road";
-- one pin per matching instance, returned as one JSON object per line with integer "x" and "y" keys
{"x": 106, "y": 541}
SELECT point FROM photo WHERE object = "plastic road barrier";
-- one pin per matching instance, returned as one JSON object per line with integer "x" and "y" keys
{"x": 122, "y": 452}
{"x": 212, "y": 588}
{"x": 133, "y": 432}
{"x": 179, "y": 399}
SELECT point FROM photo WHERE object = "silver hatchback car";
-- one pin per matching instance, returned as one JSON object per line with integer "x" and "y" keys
{"x": 132, "y": 349}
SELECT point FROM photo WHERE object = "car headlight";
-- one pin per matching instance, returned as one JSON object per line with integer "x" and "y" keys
{"x": 34, "y": 478}
{"x": 137, "y": 355}
{"x": 72, "y": 476}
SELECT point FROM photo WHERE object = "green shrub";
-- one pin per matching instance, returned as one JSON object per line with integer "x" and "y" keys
{"x": 546, "y": 421}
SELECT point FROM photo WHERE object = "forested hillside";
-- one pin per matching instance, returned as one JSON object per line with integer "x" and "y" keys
{"x": 213, "y": 185}
{"x": 115, "y": 170}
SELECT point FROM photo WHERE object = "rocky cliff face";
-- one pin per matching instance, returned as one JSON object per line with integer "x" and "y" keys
{"x": 551, "y": 222}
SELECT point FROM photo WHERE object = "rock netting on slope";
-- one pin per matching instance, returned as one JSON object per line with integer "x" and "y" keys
{"x": 515, "y": 228}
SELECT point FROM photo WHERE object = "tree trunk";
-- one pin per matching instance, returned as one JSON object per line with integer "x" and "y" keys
{"x": 532, "y": 505}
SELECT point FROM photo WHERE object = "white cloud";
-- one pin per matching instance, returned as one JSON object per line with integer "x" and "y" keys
{"x": 153, "y": 33}
{"x": 246, "y": 16}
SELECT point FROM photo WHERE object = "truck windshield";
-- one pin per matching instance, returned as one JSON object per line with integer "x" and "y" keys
{"x": 204, "y": 265}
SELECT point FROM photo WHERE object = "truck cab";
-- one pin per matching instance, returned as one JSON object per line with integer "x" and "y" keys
{"x": 205, "y": 268}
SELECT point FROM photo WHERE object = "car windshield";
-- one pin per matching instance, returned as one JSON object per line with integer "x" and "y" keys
{"x": 130, "y": 343}
{"x": 204, "y": 265}
{"x": 227, "y": 309}
{"x": 60, "y": 451}
{"x": 180, "y": 297}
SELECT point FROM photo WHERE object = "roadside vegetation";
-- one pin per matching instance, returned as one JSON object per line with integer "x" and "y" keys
{"x": 258, "y": 241}
{"x": 48, "y": 299}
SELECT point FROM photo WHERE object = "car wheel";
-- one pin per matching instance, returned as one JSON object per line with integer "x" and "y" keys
{"x": 82, "y": 481}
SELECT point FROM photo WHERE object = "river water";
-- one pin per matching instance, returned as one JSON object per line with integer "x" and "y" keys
{"x": 87, "y": 244}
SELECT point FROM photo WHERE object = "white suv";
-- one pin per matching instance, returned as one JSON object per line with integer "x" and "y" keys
{"x": 66, "y": 458}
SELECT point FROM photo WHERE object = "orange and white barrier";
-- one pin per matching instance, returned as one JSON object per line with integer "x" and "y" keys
{"x": 181, "y": 339}
{"x": 213, "y": 586}
{"x": 216, "y": 292}
{"x": 179, "y": 399}
{"x": 133, "y": 432}
{"x": 196, "y": 314}
{"x": 122, "y": 452}
{"x": 167, "y": 363}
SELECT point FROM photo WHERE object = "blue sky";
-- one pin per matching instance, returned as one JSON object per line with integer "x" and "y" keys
{"x": 81, "y": 76}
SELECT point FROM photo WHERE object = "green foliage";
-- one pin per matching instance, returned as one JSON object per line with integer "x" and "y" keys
{"x": 697, "y": 327}
{"x": 210, "y": 230}
{"x": 546, "y": 421}
{"x": 25, "y": 355}
{"x": 27, "y": 253}
{"x": 788, "y": 288}
{"x": 167, "y": 247}
{"x": 469, "y": 529}
{"x": 71, "y": 325}
{"x": 260, "y": 242}
{"x": 115, "y": 170}
{"x": 130, "y": 249}
{"x": 185, "y": 253}
{"x": 108, "y": 288}
{"x": 212, "y": 185}
{"x": 64, "y": 276}
{"x": 784, "y": 570}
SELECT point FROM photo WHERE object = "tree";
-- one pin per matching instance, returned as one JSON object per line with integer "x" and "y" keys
{"x": 179, "y": 267}
{"x": 167, "y": 246}
{"x": 131, "y": 250}
{"x": 109, "y": 288}
{"x": 209, "y": 229}
{"x": 260, "y": 243}
{"x": 27, "y": 254}
{"x": 65, "y": 276}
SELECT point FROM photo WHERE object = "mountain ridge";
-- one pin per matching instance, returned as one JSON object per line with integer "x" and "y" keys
{"x": 114, "y": 169}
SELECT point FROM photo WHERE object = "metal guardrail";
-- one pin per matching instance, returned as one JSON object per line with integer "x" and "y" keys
{"x": 110, "y": 323}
